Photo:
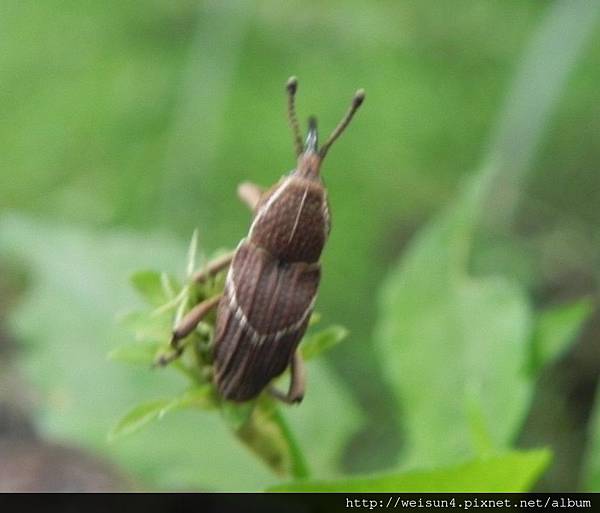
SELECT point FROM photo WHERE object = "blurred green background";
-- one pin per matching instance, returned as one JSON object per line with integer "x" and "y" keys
{"x": 464, "y": 252}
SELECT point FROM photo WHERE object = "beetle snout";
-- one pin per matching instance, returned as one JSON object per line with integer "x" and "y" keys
{"x": 312, "y": 139}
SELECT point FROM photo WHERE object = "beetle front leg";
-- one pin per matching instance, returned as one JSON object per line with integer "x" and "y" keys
{"x": 185, "y": 327}
{"x": 295, "y": 393}
{"x": 250, "y": 194}
{"x": 217, "y": 265}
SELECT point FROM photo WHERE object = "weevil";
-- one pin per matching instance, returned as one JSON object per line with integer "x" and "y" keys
{"x": 273, "y": 274}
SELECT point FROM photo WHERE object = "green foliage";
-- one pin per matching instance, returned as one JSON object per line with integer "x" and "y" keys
{"x": 471, "y": 336}
{"x": 467, "y": 336}
{"x": 67, "y": 321}
{"x": 139, "y": 354}
{"x": 138, "y": 417}
{"x": 137, "y": 118}
{"x": 508, "y": 472}
{"x": 555, "y": 330}
{"x": 153, "y": 120}
{"x": 149, "y": 285}
{"x": 317, "y": 343}
{"x": 155, "y": 288}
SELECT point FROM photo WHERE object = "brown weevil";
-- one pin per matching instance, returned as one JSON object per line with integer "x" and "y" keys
{"x": 273, "y": 274}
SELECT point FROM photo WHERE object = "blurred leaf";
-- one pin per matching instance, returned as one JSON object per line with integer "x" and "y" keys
{"x": 453, "y": 344}
{"x": 67, "y": 321}
{"x": 149, "y": 284}
{"x": 556, "y": 328}
{"x": 147, "y": 327}
{"x": 483, "y": 443}
{"x": 317, "y": 343}
{"x": 509, "y": 472}
{"x": 136, "y": 353}
{"x": 315, "y": 318}
{"x": 197, "y": 397}
{"x": 141, "y": 415}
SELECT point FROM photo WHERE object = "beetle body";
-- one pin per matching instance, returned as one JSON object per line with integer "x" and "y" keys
{"x": 273, "y": 276}
{"x": 272, "y": 283}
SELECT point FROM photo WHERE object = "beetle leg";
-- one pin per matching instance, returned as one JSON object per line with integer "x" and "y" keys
{"x": 250, "y": 194}
{"x": 218, "y": 264}
{"x": 185, "y": 327}
{"x": 295, "y": 393}
{"x": 298, "y": 383}
{"x": 166, "y": 358}
{"x": 192, "y": 318}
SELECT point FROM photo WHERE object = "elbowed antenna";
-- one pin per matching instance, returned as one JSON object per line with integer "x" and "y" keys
{"x": 359, "y": 97}
{"x": 292, "y": 87}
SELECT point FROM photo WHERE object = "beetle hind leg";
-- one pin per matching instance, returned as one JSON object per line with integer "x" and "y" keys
{"x": 295, "y": 393}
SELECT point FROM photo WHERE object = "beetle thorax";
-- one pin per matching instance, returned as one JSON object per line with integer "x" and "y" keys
{"x": 292, "y": 220}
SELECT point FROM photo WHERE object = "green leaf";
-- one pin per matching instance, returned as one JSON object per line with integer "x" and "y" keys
{"x": 197, "y": 397}
{"x": 143, "y": 414}
{"x": 138, "y": 417}
{"x": 149, "y": 284}
{"x": 136, "y": 353}
{"x": 147, "y": 326}
{"x": 453, "y": 344}
{"x": 509, "y": 472}
{"x": 556, "y": 328}
{"x": 481, "y": 438}
{"x": 315, "y": 318}
{"x": 317, "y": 343}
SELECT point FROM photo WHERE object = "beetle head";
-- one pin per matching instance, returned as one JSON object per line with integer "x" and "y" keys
{"x": 309, "y": 154}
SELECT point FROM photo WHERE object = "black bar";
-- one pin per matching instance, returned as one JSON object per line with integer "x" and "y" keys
{"x": 294, "y": 502}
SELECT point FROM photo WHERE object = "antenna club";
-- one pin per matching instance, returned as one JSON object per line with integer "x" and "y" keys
{"x": 359, "y": 97}
{"x": 292, "y": 85}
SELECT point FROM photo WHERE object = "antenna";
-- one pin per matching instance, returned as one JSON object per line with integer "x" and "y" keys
{"x": 292, "y": 87}
{"x": 356, "y": 103}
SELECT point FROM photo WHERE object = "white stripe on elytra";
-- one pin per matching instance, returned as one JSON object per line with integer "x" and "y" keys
{"x": 325, "y": 213}
{"x": 256, "y": 337}
{"x": 265, "y": 208}
{"x": 294, "y": 228}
